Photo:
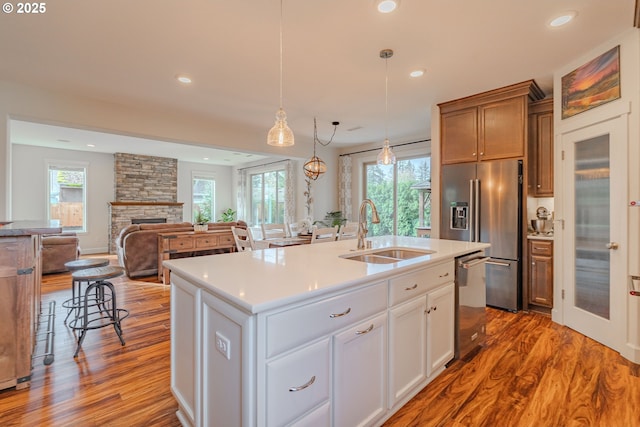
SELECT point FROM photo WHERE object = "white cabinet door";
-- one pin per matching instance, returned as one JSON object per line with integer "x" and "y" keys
{"x": 440, "y": 327}
{"x": 407, "y": 347}
{"x": 297, "y": 383}
{"x": 360, "y": 373}
{"x": 185, "y": 300}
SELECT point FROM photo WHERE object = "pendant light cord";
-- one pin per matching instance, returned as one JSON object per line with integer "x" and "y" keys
{"x": 386, "y": 99}
{"x": 281, "y": 1}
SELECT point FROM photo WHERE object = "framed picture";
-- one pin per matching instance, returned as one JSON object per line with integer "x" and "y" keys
{"x": 591, "y": 85}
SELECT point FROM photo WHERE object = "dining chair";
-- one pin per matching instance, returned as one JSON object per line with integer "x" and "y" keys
{"x": 243, "y": 238}
{"x": 348, "y": 231}
{"x": 324, "y": 234}
{"x": 270, "y": 231}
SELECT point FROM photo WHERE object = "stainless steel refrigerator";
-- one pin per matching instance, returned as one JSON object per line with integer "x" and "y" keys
{"x": 482, "y": 202}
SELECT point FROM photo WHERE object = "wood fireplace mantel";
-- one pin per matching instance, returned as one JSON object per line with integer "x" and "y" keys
{"x": 132, "y": 203}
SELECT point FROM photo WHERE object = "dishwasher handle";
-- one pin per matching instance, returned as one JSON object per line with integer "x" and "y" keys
{"x": 467, "y": 264}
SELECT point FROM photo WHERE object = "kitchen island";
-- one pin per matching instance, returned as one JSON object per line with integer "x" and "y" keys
{"x": 302, "y": 335}
{"x": 20, "y": 277}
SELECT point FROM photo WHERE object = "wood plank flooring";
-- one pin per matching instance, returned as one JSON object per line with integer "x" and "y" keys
{"x": 531, "y": 372}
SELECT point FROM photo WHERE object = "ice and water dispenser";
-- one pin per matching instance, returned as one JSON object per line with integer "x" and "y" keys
{"x": 459, "y": 216}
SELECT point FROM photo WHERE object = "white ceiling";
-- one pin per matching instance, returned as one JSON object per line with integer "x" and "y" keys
{"x": 129, "y": 52}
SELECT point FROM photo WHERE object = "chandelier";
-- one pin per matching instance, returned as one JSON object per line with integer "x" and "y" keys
{"x": 314, "y": 167}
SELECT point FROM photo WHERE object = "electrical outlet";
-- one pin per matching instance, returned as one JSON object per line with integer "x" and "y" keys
{"x": 223, "y": 345}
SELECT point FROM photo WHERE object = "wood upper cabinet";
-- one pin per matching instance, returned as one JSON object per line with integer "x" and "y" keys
{"x": 488, "y": 126}
{"x": 541, "y": 148}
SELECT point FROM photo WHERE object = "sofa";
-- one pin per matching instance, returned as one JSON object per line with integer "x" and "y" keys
{"x": 137, "y": 245}
{"x": 58, "y": 249}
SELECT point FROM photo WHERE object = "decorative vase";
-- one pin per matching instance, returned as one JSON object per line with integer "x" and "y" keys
{"x": 199, "y": 228}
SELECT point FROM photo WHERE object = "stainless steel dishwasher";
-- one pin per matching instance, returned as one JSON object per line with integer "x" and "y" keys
{"x": 471, "y": 301}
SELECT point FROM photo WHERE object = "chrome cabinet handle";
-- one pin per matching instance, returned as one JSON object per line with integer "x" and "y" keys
{"x": 432, "y": 309}
{"x": 411, "y": 288}
{"x": 303, "y": 386}
{"x": 344, "y": 313}
{"x": 366, "y": 331}
{"x": 612, "y": 245}
{"x": 444, "y": 275}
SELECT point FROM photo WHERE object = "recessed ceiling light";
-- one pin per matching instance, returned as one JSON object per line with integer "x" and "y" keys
{"x": 387, "y": 6}
{"x": 205, "y": 158}
{"x": 183, "y": 79}
{"x": 63, "y": 140}
{"x": 562, "y": 19}
{"x": 91, "y": 145}
{"x": 417, "y": 73}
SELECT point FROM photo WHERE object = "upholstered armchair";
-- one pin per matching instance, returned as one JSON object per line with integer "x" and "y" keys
{"x": 57, "y": 249}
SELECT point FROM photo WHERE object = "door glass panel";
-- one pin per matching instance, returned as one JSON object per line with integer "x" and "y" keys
{"x": 592, "y": 200}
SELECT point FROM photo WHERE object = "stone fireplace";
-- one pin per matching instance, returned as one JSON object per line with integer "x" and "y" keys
{"x": 146, "y": 187}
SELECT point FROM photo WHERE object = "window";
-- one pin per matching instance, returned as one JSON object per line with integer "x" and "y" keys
{"x": 203, "y": 198}
{"x": 398, "y": 204}
{"x": 267, "y": 197}
{"x": 68, "y": 195}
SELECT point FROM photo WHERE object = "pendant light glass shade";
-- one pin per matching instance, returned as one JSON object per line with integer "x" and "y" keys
{"x": 386, "y": 156}
{"x": 280, "y": 134}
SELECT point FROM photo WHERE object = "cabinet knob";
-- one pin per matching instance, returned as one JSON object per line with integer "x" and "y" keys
{"x": 538, "y": 185}
{"x": 473, "y": 154}
{"x": 482, "y": 153}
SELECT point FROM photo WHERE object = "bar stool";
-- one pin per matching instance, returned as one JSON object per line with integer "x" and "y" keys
{"x": 75, "y": 302}
{"x": 99, "y": 307}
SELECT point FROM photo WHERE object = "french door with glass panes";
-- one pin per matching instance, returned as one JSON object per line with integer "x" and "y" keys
{"x": 594, "y": 190}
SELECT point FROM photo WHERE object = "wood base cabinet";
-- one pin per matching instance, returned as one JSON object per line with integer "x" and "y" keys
{"x": 541, "y": 272}
{"x": 19, "y": 308}
{"x": 352, "y": 357}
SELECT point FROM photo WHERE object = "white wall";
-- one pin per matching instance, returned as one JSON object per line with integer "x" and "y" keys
{"x": 225, "y": 196}
{"x": 64, "y": 109}
{"x": 30, "y": 195}
{"x": 626, "y": 107}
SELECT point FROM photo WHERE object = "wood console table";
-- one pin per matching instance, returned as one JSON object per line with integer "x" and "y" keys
{"x": 190, "y": 241}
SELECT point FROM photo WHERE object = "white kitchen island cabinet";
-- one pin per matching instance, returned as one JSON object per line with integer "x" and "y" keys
{"x": 302, "y": 336}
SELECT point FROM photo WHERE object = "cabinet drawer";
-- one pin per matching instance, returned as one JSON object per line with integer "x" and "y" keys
{"x": 296, "y": 326}
{"x": 180, "y": 243}
{"x": 297, "y": 383}
{"x": 206, "y": 242}
{"x": 419, "y": 282}
{"x": 226, "y": 240}
{"x": 541, "y": 247}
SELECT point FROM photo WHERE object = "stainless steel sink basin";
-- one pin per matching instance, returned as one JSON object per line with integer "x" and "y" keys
{"x": 388, "y": 255}
{"x": 372, "y": 259}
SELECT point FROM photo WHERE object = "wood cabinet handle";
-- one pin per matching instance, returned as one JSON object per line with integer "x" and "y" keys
{"x": 303, "y": 386}
{"x": 366, "y": 331}
{"x": 411, "y": 288}
{"x": 344, "y": 313}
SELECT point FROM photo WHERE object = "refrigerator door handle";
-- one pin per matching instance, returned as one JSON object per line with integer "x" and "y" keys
{"x": 471, "y": 214}
{"x": 500, "y": 264}
{"x": 476, "y": 213}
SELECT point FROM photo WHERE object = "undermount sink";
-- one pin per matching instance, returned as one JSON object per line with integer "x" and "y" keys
{"x": 388, "y": 255}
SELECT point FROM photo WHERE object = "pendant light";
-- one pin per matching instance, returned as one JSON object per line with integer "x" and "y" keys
{"x": 280, "y": 134}
{"x": 314, "y": 167}
{"x": 386, "y": 156}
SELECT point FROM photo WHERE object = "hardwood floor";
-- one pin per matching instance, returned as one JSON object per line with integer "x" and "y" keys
{"x": 532, "y": 372}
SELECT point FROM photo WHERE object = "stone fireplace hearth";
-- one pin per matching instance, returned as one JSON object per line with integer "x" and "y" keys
{"x": 145, "y": 187}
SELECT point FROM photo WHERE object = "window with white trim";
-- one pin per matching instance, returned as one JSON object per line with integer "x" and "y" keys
{"x": 67, "y": 192}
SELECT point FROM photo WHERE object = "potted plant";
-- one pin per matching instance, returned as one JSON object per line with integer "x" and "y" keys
{"x": 331, "y": 219}
{"x": 200, "y": 221}
{"x": 228, "y": 215}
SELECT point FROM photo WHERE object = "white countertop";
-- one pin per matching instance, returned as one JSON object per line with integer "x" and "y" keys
{"x": 260, "y": 280}
{"x": 534, "y": 236}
